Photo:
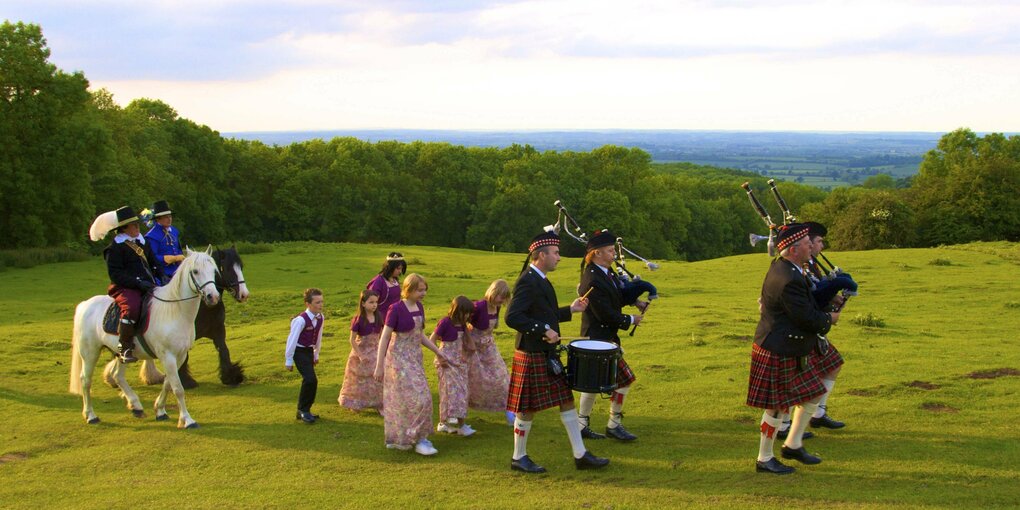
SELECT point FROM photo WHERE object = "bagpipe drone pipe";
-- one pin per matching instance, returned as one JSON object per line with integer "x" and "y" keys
{"x": 831, "y": 280}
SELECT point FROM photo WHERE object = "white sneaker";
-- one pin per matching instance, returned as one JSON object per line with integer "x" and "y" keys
{"x": 465, "y": 430}
{"x": 447, "y": 428}
{"x": 424, "y": 447}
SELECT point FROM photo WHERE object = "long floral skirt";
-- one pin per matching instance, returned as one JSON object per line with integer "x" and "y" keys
{"x": 488, "y": 379}
{"x": 360, "y": 390}
{"x": 453, "y": 382}
{"x": 407, "y": 400}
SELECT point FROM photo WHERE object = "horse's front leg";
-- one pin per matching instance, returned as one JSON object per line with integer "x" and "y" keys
{"x": 231, "y": 374}
{"x": 184, "y": 373}
{"x": 173, "y": 381}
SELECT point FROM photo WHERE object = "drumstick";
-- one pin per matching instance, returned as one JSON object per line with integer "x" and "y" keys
{"x": 585, "y": 296}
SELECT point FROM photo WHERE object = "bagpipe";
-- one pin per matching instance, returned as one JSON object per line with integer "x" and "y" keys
{"x": 831, "y": 280}
{"x": 633, "y": 284}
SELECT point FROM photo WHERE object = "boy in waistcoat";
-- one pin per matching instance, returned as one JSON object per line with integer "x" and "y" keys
{"x": 303, "y": 345}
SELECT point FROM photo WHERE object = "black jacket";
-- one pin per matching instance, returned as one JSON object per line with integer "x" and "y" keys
{"x": 532, "y": 307}
{"x": 129, "y": 270}
{"x": 603, "y": 319}
{"x": 790, "y": 318}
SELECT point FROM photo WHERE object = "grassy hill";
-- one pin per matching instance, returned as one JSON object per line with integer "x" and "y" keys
{"x": 929, "y": 393}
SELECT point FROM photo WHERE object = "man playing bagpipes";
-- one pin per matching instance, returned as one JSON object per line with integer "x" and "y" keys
{"x": 132, "y": 268}
{"x": 603, "y": 320}
{"x": 789, "y": 344}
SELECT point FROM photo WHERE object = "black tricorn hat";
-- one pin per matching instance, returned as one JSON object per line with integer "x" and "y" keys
{"x": 600, "y": 238}
{"x": 161, "y": 208}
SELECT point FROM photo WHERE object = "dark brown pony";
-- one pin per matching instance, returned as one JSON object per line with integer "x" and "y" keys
{"x": 211, "y": 320}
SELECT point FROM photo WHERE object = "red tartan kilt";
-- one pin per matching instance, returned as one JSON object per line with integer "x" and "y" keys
{"x": 827, "y": 363}
{"x": 532, "y": 387}
{"x": 624, "y": 375}
{"x": 777, "y": 383}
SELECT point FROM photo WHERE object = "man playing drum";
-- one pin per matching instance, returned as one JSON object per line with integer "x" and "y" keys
{"x": 537, "y": 380}
{"x": 786, "y": 342}
{"x": 603, "y": 320}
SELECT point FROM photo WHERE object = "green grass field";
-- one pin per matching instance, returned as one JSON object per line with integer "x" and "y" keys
{"x": 930, "y": 398}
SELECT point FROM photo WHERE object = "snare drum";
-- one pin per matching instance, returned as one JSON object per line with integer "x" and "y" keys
{"x": 592, "y": 365}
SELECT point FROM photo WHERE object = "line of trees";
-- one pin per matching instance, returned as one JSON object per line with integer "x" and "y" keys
{"x": 68, "y": 154}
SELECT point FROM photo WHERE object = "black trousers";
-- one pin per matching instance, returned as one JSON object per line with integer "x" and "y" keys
{"x": 304, "y": 360}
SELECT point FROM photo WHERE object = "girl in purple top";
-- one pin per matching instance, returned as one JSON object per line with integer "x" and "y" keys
{"x": 407, "y": 400}
{"x": 488, "y": 379}
{"x": 453, "y": 376}
{"x": 360, "y": 390}
{"x": 387, "y": 283}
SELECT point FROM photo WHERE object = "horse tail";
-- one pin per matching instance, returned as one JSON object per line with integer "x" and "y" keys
{"x": 149, "y": 374}
{"x": 76, "y": 363}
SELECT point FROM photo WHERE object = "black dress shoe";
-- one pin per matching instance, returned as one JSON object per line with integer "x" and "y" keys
{"x": 305, "y": 417}
{"x": 314, "y": 416}
{"x": 589, "y": 461}
{"x": 588, "y": 433}
{"x": 773, "y": 466}
{"x": 525, "y": 464}
{"x": 783, "y": 433}
{"x": 620, "y": 433}
{"x": 826, "y": 422}
{"x": 800, "y": 454}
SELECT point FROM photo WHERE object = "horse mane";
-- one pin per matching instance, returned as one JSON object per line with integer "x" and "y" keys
{"x": 161, "y": 311}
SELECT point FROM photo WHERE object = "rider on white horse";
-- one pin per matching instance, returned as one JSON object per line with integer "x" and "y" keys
{"x": 132, "y": 268}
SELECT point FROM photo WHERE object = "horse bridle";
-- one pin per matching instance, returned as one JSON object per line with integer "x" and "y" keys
{"x": 194, "y": 286}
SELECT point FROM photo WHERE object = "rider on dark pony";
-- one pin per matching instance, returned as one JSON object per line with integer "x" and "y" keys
{"x": 131, "y": 266}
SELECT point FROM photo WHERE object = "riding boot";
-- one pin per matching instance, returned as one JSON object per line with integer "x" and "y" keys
{"x": 127, "y": 342}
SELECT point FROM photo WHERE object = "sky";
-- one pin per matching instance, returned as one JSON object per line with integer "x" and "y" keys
{"x": 862, "y": 65}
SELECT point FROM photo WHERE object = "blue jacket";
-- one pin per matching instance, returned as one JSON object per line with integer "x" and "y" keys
{"x": 165, "y": 243}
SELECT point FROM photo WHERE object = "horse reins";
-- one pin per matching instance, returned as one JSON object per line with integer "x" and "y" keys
{"x": 197, "y": 288}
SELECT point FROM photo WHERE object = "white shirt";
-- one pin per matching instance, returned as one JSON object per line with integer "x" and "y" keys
{"x": 537, "y": 270}
{"x": 296, "y": 326}
{"x": 121, "y": 237}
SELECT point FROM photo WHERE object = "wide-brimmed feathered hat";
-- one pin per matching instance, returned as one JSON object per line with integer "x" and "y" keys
{"x": 108, "y": 221}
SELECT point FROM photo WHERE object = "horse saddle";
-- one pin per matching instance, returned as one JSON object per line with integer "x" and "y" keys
{"x": 111, "y": 321}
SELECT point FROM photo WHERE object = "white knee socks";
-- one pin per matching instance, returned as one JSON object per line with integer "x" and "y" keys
{"x": 769, "y": 425}
{"x": 521, "y": 430}
{"x": 829, "y": 383}
{"x": 800, "y": 421}
{"x": 616, "y": 407}
{"x": 569, "y": 419}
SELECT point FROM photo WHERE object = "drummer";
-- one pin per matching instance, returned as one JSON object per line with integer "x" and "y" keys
{"x": 603, "y": 320}
{"x": 536, "y": 383}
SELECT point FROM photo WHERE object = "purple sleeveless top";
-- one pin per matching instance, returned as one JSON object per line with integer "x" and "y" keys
{"x": 401, "y": 319}
{"x": 310, "y": 334}
{"x": 448, "y": 331}
{"x": 481, "y": 318}
{"x": 387, "y": 295}
{"x": 363, "y": 327}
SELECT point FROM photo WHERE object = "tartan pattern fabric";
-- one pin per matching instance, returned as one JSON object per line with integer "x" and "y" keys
{"x": 823, "y": 364}
{"x": 624, "y": 375}
{"x": 532, "y": 387}
{"x": 777, "y": 383}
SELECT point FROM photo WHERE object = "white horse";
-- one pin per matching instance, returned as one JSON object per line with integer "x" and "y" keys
{"x": 170, "y": 334}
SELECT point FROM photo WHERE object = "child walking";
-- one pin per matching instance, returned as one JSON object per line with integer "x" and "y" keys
{"x": 360, "y": 390}
{"x": 453, "y": 376}
{"x": 488, "y": 379}
{"x": 303, "y": 345}
{"x": 407, "y": 401}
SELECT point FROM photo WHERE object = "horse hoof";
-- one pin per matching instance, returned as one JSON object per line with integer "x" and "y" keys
{"x": 138, "y": 413}
{"x": 93, "y": 421}
{"x": 193, "y": 425}
{"x": 189, "y": 385}
{"x": 162, "y": 417}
